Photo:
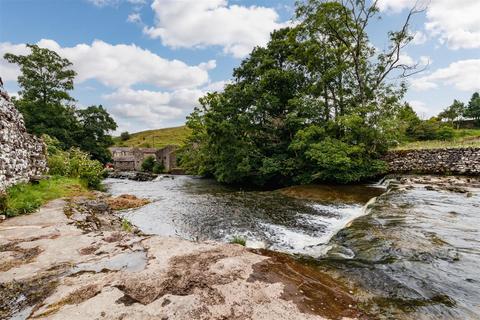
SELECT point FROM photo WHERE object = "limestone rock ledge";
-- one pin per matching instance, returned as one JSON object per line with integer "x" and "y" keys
{"x": 52, "y": 267}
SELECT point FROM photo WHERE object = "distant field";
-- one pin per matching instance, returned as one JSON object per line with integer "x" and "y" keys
{"x": 155, "y": 138}
{"x": 463, "y": 138}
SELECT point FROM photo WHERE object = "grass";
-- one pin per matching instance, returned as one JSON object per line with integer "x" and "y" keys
{"x": 239, "y": 240}
{"x": 156, "y": 138}
{"x": 126, "y": 225}
{"x": 26, "y": 197}
{"x": 463, "y": 138}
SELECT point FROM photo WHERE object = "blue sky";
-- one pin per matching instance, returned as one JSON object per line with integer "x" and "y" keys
{"x": 148, "y": 61}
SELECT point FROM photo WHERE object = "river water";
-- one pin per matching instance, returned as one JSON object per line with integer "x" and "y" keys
{"x": 413, "y": 250}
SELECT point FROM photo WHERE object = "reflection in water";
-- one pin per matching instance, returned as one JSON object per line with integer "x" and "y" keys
{"x": 415, "y": 252}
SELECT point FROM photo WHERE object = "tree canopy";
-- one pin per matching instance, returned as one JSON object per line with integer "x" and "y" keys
{"x": 314, "y": 104}
{"x": 45, "y": 102}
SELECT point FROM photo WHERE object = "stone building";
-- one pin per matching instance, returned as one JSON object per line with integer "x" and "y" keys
{"x": 22, "y": 155}
{"x": 131, "y": 158}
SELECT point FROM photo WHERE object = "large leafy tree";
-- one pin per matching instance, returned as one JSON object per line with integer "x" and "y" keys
{"x": 45, "y": 102}
{"x": 314, "y": 104}
{"x": 46, "y": 80}
{"x": 95, "y": 123}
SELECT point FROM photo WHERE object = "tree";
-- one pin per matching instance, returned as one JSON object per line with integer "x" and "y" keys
{"x": 45, "y": 77}
{"x": 95, "y": 124}
{"x": 313, "y": 105}
{"x": 124, "y": 136}
{"x": 148, "y": 164}
{"x": 45, "y": 81}
{"x": 453, "y": 112}
{"x": 47, "y": 107}
{"x": 473, "y": 108}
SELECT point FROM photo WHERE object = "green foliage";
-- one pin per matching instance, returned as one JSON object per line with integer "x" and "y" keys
{"x": 47, "y": 107}
{"x": 93, "y": 138}
{"x": 445, "y": 132}
{"x": 453, "y": 112}
{"x": 238, "y": 240}
{"x": 473, "y": 108}
{"x": 148, "y": 164}
{"x": 124, "y": 136}
{"x": 73, "y": 163}
{"x": 126, "y": 225}
{"x": 45, "y": 77}
{"x": 158, "y": 167}
{"x": 431, "y": 129}
{"x": 462, "y": 138}
{"x": 26, "y": 198}
{"x": 305, "y": 108}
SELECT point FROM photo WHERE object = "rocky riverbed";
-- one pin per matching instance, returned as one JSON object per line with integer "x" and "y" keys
{"x": 75, "y": 260}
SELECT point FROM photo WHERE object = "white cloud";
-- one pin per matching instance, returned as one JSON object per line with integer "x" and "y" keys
{"x": 147, "y": 109}
{"x": 420, "y": 107}
{"x": 406, "y": 60}
{"x": 152, "y": 109}
{"x": 134, "y": 17}
{"x": 419, "y": 38}
{"x": 200, "y": 23}
{"x": 463, "y": 75}
{"x": 9, "y": 71}
{"x": 118, "y": 65}
{"x": 455, "y": 23}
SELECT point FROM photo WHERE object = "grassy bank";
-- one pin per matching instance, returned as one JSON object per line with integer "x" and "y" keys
{"x": 26, "y": 197}
{"x": 463, "y": 138}
{"x": 156, "y": 138}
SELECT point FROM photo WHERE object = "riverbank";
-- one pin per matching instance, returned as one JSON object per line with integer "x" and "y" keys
{"x": 74, "y": 260}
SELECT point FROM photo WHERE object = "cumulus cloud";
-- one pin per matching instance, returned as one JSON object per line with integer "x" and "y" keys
{"x": 152, "y": 108}
{"x": 419, "y": 38}
{"x": 9, "y": 71}
{"x": 421, "y": 108}
{"x": 121, "y": 67}
{"x": 200, "y": 23}
{"x": 118, "y": 65}
{"x": 463, "y": 75}
{"x": 455, "y": 23}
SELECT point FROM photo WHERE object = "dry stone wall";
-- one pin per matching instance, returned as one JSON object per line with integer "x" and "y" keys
{"x": 22, "y": 155}
{"x": 464, "y": 161}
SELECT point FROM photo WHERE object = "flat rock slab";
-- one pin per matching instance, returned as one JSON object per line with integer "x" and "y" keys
{"x": 52, "y": 269}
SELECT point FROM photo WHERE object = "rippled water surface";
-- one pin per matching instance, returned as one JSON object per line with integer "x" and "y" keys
{"x": 201, "y": 209}
{"x": 414, "y": 252}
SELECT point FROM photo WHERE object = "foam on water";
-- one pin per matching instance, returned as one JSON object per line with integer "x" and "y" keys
{"x": 200, "y": 209}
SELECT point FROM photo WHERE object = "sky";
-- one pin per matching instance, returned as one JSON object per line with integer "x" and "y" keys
{"x": 148, "y": 61}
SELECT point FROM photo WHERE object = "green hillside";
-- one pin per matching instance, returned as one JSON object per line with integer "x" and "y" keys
{"x": 158, "y": 138}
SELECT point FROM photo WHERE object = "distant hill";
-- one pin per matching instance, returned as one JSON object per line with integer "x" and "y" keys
{"x": 155, "y": 138}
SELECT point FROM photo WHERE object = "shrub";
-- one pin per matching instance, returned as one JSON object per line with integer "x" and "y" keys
{"x": 238, "y": 240}
{"x": 126, "y": 225}
{"x": 73, "y": 163}
{"x": 445, "y": 132}
{"x": 3, "y": 202}
{"x": 158, "y": 167}
{"x": 124, "y": 136}
{"x": 148, "y": 164}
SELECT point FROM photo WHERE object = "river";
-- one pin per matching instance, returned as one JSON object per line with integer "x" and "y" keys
{"x": 411, "y": 249}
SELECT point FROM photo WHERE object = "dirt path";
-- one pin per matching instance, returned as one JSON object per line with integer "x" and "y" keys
{"x": 78, "y": 264}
